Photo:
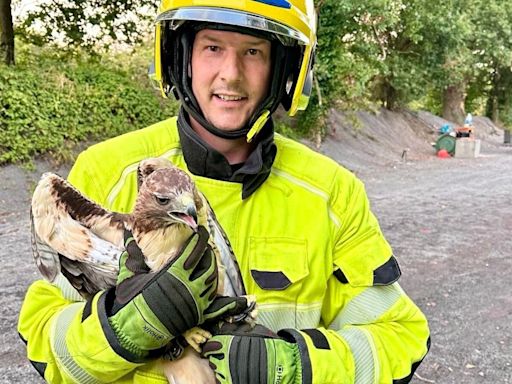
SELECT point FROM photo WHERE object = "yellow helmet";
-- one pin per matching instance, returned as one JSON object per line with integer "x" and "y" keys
{"x": 289, "y": 24}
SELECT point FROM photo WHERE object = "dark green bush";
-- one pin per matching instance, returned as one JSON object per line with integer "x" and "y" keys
{"x": 49, "y": 103}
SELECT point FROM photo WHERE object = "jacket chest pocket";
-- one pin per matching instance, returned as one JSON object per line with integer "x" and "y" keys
{"x": 278, "y": 267}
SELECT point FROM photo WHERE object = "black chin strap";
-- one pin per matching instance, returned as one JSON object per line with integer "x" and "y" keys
{"x": 198, "y": 116}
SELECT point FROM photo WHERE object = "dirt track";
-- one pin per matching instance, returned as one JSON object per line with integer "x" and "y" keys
{"x": 449, "y": 222}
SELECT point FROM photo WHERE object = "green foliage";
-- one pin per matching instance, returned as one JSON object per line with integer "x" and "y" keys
{"x": 285, "y": 129}
{"x": 93, "y": 25}
{"x": 492, "y": 42}
{"x": 409, "y": 52}
{"x": 49, "y": 103}
{"x": 346, "y": 61}
{"x": 393, "y": 52}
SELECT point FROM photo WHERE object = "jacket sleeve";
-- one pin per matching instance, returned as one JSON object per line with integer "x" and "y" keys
{"x": 371, "y": 330}
{"x": 65, "y": 339}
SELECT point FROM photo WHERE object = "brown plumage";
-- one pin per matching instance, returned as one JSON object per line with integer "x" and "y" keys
{"x": 76, "y": 237}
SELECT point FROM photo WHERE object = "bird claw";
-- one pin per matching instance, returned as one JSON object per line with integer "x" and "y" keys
{"x": 196, "y": 336}
{"x": 248, "y": 315}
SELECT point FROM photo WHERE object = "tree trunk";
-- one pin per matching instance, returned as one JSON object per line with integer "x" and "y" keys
{"x": 389, "y": 96}
{"x": 6, "y": 33}
{"x": 499, "y": 103}
{"x": 495, "y": 111}
{"x": 505, "y": 101}
{"x": 453, "y": 103}
{"x": 492, "y": 106}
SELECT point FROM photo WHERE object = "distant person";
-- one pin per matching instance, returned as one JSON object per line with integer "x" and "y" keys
{"x": 306, "y": 241}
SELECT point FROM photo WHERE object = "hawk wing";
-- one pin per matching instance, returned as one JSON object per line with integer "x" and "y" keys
{"x": 228, "y": 266}
{"x": 74, "y": 236}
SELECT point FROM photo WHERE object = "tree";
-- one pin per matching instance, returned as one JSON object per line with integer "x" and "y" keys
{"x": 400, "y": 37}
{"x": 493, "y": 45}
{"x": 89, "y": 24}
{"x": 6, "y": 33}
{"x": 455, "y": 53}
{"x": 352, "y": 47}
{"x": 427, "y": 51}
{"x": 344, "y": 64}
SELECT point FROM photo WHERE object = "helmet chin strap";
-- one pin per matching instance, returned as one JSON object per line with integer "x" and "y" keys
{"x": 258, "y": 125}
{"x": 283, "y": 59}
{"x": 249, "y": 131}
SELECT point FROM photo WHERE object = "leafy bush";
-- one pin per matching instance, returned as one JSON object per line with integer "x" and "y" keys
{"x": 49, "y": 102}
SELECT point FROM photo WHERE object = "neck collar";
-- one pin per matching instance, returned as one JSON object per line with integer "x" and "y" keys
{"x": 203, "y": 160}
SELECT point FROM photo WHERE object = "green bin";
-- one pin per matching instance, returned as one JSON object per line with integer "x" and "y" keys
{"x": 446, "y": 141}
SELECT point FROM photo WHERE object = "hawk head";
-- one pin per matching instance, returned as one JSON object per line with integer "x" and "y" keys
{"x": 167, "y": 196}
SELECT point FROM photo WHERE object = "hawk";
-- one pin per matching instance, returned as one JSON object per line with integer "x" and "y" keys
{"x": 74, "y": 236}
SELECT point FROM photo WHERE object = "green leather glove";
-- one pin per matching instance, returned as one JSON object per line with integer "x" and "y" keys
{"x": 245, "y": 355}
{"x": 145, "y": 311}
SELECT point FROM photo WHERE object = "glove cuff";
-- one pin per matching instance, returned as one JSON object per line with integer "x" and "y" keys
{"x": 121, "y": 345}
{"x": 298, "y": 338}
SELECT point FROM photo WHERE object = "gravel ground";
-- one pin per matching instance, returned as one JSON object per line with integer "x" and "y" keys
{"x": 448, "y": 220}
{"x": 450, "y": 225}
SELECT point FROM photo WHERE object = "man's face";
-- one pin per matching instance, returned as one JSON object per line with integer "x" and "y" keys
{"x": 230, "y": 76}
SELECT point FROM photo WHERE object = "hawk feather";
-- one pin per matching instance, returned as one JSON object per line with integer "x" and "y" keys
{"x": 74, "y": 236}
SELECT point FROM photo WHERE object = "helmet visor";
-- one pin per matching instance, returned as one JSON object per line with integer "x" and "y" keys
{"x": 287, "y": 36}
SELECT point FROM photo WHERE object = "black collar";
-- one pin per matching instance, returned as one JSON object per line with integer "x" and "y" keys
{"x": 203, "y": 160}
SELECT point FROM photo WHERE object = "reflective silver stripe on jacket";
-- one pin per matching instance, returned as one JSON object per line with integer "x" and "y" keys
{"x": 60, "y": 348}
{"x": 365, "y": 308}
{"x": 281, "y": 316}
{"x": 364, "y": 354}
{"x": 368, "y": 306}
{"x": 68, "y": 291}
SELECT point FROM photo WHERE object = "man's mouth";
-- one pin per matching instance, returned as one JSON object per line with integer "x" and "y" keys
{"x": 224, "y": 97}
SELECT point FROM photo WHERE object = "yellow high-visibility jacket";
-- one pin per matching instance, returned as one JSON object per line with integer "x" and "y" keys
{"x": 307, "y": 245}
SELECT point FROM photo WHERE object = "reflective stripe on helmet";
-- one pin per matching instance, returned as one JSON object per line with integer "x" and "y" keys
{"x": 286, "y": 35}
{"x": 277, "y": 3}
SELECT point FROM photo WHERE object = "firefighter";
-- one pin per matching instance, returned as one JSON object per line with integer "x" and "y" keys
{"x": 308, "y": 246}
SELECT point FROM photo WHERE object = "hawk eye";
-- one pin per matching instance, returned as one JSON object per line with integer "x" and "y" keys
{"x": 162, "y": 200}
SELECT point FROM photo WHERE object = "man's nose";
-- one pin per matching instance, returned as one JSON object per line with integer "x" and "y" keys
{"x": 232, "y": 67}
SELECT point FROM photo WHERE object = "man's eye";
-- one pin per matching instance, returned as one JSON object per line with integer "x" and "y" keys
{"x": 252, "y": 51}
{"x": 162, "y": 200}
{"x": 213, "y": 48}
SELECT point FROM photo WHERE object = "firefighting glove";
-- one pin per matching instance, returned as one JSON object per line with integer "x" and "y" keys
{"x": 246, "y": 355}
{"x": 146, "y": 310}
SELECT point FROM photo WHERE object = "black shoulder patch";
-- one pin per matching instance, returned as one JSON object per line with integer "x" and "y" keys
{"x": 387, "y": 273}
{"x": 340, "y": 276}
{"x": 40, "y": 367}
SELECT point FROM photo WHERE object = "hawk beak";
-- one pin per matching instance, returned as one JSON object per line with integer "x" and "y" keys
{"x": 192, "y": 213}
{"x": 187, "y": 215}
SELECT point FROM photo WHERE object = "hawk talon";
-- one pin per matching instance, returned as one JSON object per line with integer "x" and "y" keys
{"x": 174, "y": 349}
{"x": 249, "y": 314}
{"x": 196, "y": 336}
